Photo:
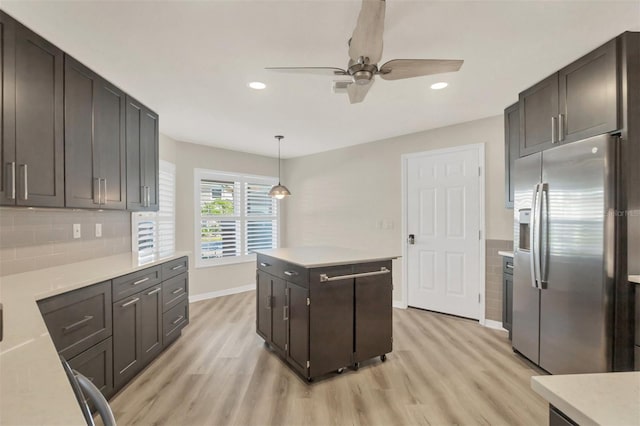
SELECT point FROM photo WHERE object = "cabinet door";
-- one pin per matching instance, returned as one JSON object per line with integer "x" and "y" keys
{"x": 149, "y": 139}
{"x": 96, "y": 364}
{"x": 109, "y": 143}
{"x": 298, "y": 345}
{"x": 81, "y": 185}
{"x": 127, "y": 346}
{"x": 589, "y": 95}
{"x": 538, "y": 115}
{"x": 8, "y": 190}
{"x": 151, "y": 323}
{"x": 373, "y": 316}
{"x": 511, "y": 150}
{"x": 279, "y": 314}
{"x": 38, "y": 120}
{"x": 135, "y": 173}
{"x": 507, "y": 302}
{"x": 263, "y": 305}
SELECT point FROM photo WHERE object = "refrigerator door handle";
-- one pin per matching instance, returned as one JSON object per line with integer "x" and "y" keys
{"x": 537, "y": 255}
{"x": 532, "y": 236}
{"x": 543, "y": 211}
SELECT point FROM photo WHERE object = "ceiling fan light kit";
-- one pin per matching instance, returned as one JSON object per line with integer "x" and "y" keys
{"x": 365, "y": 51}
{"x": 279, "y": 191}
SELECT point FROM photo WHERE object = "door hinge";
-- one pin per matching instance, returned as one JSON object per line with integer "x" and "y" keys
{"x": 478, "y": 297}
{"x": 480, "y": 235}
{"x": 286, "y": 346}
{"x": 479, "y": 171}
{"x": 308, "y": 302}
{"x": 308, "y": 364}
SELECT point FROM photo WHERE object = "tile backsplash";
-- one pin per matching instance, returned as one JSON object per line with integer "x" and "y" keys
{"x": 40, "y": 238}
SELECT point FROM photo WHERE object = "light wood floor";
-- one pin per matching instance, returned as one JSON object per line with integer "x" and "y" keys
{"x": 443, "y": 370}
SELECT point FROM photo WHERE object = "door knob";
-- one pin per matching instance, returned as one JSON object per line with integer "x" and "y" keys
{"x": 411, "y": 239}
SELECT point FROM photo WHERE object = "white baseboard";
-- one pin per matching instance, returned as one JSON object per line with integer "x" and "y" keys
{"x": 220, "y": 293}
{"x": 493, "y": 324}
{"x": 399, "y": 304}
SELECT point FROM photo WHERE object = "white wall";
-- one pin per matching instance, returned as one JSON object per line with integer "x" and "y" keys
{"x": 187, "y": 157}
{"x": 341, "y": 197}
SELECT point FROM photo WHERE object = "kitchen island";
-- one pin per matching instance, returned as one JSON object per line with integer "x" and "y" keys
{"x": 322, "y": 309}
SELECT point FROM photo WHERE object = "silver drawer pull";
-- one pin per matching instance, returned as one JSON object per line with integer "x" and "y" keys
{"x": 177, "y": 267}
{"x": 177, "y": 320}
{"x": 25, "y": 182}
{"x": 177, "y": 290}
{"x": 264, "y": 264}
{"x": 285, "y": 313}
{"x": 509, "y": 266}
{"x": 131, "y": 302}
{"x": 82, "y": 322}
{"x": 140, "y": 281}
{"x": 290, "y": 273}
{"x": 154, "y": 291}
{"x": 325, "y": 278}
{"x": 12, "y": 176}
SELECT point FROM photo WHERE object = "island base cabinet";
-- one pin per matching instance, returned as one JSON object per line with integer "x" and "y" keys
{"x": 298, "y": 344}
{"x": 279, "y": 315}
{"x": 263, "y": 305}
{"x": 373, "y": 316}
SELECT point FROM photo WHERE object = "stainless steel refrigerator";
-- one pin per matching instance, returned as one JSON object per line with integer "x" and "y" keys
{"x": 568, "y": 261}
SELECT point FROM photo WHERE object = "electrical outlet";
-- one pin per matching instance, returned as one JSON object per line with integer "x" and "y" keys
{"x": 98, "y": 230}
{"x": 76, "y": 230}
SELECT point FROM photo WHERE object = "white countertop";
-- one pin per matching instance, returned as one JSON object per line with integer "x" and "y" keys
{"x": 314, "y": 257}
{"x": 593, "y": 399}
{"x": 634, "y": 279}
{"x": 506, "y": 253}
{"x": 34, "y": 389}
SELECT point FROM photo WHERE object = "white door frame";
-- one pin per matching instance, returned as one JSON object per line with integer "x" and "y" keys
{"x": 479, "y": 147}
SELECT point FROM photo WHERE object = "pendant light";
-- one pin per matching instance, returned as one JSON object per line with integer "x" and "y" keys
{"x": 279, "y": 191}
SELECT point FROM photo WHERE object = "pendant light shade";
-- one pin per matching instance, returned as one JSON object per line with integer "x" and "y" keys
{"x": 279, "y": 191}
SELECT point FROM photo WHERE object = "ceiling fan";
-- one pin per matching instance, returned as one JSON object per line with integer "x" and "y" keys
{"x": 365, "y": 51}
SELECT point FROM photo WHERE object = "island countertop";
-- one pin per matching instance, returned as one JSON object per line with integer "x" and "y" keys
{"x": 34, "y": 389}
{"x": 315, "y": 257}
{"x": 593, "y": 399}
{"x": 634, "y": 279}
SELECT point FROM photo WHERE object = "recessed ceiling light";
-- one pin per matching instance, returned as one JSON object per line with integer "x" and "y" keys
{"x": 438, "y": 86}
{"x": 257, "y": 85}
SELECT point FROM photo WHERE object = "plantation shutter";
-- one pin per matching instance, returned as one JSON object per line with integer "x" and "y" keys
{"x": 261, "y": 226}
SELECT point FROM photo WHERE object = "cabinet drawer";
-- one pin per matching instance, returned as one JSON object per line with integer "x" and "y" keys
{"x": 507, "y": 265}
{"x": 174, "y": 320}
{"x": 175, "y": 267}
{"x": 637, "y": 317}
{"x": 79, "y": 319}
{"x": 287, "y": 271}
{"x": 174, "y": 291}
{"x": 131, "y": 284}
{"x": 96, "y": 363}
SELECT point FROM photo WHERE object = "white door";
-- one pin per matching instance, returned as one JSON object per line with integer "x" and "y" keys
{"x": 444, "y": 215}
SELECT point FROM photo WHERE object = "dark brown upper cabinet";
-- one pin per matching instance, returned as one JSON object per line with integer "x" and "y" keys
{"x": 511, "y": 149}
{"x": 32, "y": 166}
{"x": 579, "y": 101}
{"x": 95, "y": 151}
{"x": 142, "y": 157}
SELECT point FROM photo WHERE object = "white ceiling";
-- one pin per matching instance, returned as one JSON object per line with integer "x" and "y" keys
{"x": 191, "y": 61}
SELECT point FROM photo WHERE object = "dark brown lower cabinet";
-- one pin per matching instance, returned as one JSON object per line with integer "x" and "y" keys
{"x": 321, "y": 320}
{"x": 151, "y": 324}
{"x": 558, "y": 418}
{"x": 96, "y": 363}
{"x": 173, "y": 321}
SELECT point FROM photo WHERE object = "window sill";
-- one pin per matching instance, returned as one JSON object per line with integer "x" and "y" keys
{"x": 201, "y": 264}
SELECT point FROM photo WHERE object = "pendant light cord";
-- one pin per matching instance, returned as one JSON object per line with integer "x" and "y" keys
{"x": 279, "y": 161}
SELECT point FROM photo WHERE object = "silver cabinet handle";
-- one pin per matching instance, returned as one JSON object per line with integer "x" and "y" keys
{"x": 148, "y": 196}
{"x": 290, "y": 273}
{"x": 553, "y": 129}
{"x": 82, "y": 322}
{"x": 140, "y": 281}
{"x": 97, "y": 189}
{"x": 264, "y": 264}
{"x": 509, "y": 266}
{"x": 104, "y": 195}
{"x": 130, "y": 302}
{"x": 154, "y": 291}
{"x": 268, "y": 302}
{"x": 177, "y": 320}
{"x": 177, "y": 267}
{"x": 25, "y": 182}
{"x": 177, "y": 290}
{"x": 325, "y": 278}
{"x": 285, "y": 313}
{"x": 11, "y": 174}
{"x": 561, "y": 127}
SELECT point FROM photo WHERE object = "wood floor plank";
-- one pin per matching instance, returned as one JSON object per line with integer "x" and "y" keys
{"x": 443, "y": 371}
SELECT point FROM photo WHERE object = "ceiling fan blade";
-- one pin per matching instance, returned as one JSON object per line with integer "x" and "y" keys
{"x": 309, "y": 70}
{"x": 407, "y": 68}
{"x": 366, "y": 40}
{"x": 357, "y": 92}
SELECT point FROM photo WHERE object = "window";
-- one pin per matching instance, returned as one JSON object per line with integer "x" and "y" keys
{"x": 234, "y": 217}
{"x": 154, "y": 233}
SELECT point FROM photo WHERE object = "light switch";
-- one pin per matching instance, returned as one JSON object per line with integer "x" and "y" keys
{"x": 76, "y": 230}
{"x": 98, "y": 230}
